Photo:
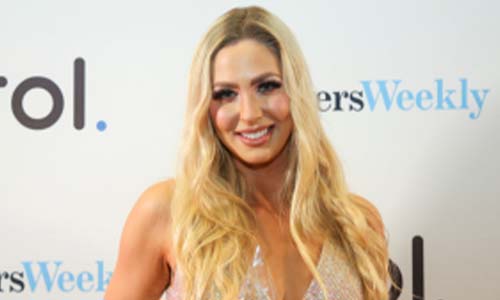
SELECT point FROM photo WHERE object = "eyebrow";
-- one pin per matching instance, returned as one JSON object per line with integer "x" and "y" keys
{"x": 252, "y": 82}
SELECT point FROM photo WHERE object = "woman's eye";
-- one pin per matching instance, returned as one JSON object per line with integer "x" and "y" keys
{"x": 223, "y": 94}
{"x": 268, "y": 86}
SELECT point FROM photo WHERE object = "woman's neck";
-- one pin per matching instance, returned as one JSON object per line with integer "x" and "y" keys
{"x": 265, "y": 181}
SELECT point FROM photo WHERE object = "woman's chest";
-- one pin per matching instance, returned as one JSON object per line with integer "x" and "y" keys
{"x": 291, "y": 280}
{"x": 283, "y": 270}
{"x": 278, "y": 253}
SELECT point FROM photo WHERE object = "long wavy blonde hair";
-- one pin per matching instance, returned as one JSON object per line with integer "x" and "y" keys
{"x": 213, "y": 223}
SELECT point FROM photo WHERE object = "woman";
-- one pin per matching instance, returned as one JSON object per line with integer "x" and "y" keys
{"x": 259, "y": 208}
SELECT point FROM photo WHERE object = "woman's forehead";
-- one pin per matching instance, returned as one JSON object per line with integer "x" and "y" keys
{"x": 243, "y": 61}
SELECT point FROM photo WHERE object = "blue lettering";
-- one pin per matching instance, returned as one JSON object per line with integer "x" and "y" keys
{"x": 44, "y": 273}
{"x": 479, "y": 101}
{"x": 101, "y": 283}
{"x": 440, "y": 98}
{"x": 401, "y": 98}
{"x": 423, "y": 95}
{"x": 463, "y": 83}
{"x": 85, "y": 277}
{"x": 421, "y": 99}
{"x": 66, "y": 277}
{"x": 382, "y": 85}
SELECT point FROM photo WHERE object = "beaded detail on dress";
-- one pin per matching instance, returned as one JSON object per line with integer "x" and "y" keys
{"x": 341, "y": 279}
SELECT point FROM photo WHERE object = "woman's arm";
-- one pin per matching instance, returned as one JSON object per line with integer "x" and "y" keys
{"x": 141, "y": 271}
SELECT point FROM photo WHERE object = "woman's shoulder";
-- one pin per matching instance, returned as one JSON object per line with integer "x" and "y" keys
{"x": 153, "y": 205}
{"x": 151, "y": 214}
{"x": 152, "y": 209}
{"x": 372, "y": 214}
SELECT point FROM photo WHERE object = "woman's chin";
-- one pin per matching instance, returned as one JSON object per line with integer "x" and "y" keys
{"x": 255, "y": 161}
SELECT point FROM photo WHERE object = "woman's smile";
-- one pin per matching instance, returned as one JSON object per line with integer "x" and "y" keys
{"x": 256, "y": 137}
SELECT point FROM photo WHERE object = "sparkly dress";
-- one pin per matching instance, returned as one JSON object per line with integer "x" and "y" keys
{"x": 341, "y": 279}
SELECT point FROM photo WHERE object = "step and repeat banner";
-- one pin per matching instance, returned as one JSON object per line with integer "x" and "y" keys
{"x": 92, "y": 95}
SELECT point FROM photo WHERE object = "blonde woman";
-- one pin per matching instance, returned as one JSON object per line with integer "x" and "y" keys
{"x": 259, "y": 208}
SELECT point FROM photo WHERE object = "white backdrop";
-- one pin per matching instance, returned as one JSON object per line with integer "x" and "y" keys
{"x": 429, "y": 163}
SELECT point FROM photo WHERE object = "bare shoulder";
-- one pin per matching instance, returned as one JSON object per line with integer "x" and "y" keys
{"x": 372, "y": 214}
{"x": 154, "y": 203}
{"x": 141, "y": 270}
{"x": 151, "y": 212}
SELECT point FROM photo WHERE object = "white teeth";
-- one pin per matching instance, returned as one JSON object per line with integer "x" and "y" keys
{"x": 255, "y": 135}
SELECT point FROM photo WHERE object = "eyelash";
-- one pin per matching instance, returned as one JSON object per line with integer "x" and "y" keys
{"x": 219, "y": 95}
{"x": 269, "y": 86}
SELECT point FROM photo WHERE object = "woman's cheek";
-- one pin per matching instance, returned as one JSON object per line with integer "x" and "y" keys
{"x": 225, "y": 116}
{"x": 279, "y": 106}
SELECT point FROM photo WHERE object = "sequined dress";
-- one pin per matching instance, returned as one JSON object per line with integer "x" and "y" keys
{"x": 341, "y": 279}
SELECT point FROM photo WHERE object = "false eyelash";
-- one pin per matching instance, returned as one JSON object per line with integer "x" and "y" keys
{"x": 224, "y": 92}
{"x": 271, "y": 83}
{"x": 220, "y": 94}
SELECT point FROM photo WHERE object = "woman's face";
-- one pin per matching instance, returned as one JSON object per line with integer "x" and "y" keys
{"x": 249, "y": 108}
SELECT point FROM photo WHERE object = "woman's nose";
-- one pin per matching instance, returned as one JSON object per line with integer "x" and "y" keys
{"x": 250, "y": 108}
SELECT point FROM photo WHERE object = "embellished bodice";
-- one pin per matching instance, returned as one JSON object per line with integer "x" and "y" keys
{"x": 341, "y": 279}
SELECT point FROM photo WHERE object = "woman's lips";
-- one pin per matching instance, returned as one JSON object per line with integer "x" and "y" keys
{"x": 256, "y": 137}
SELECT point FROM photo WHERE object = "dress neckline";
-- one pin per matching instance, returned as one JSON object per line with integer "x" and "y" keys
{"x": 259, "y": 260}
{"x": 340, "y": 276}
